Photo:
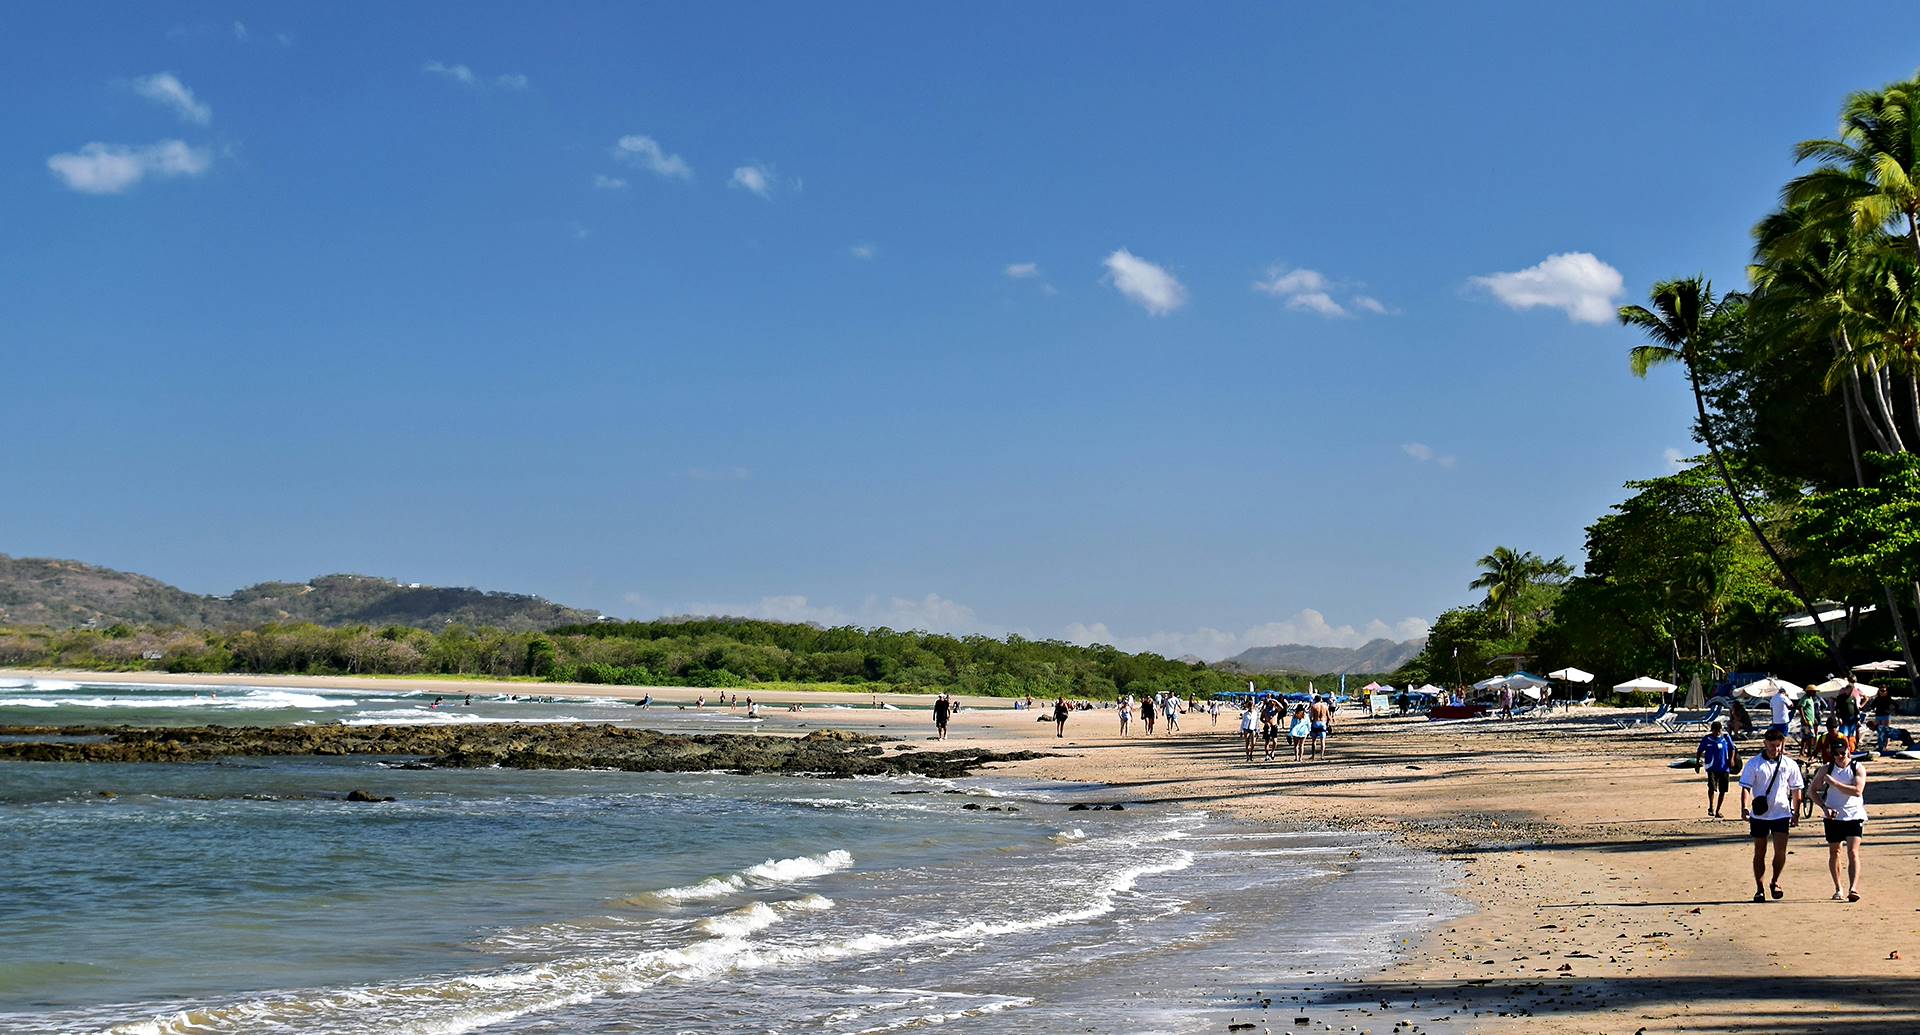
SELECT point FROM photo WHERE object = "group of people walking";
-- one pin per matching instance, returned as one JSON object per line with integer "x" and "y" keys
{"x": 1306, "y": 729}
{"x": 1776, "y": 791}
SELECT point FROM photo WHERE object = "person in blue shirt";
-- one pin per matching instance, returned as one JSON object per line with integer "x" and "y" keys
{"x": 1717, "y": 755}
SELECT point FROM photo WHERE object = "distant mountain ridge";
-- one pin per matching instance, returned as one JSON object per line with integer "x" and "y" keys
{"x": 63, "y": 594}
{"x": 1380, "y": 655}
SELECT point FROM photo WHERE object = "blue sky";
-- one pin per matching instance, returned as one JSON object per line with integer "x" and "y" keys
{"x": 1182, "y": 331}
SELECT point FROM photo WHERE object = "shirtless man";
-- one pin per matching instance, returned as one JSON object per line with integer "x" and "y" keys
{"x": 1322, "y": 717}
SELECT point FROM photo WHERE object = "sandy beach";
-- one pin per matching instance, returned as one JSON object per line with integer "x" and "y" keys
{"x": 1603, "y": 898}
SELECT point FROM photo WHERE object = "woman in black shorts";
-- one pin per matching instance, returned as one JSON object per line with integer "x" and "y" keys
{"x": 1841, "y": 787}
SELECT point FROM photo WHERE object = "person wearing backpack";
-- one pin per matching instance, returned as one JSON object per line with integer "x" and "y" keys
{"x": 1846, "y": 708}
{"x": 1841, "y": 786}
{"x": 1718, "y": 756}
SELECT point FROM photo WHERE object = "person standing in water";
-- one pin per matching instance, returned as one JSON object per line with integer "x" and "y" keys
{"x": 1841, "y": 787}
{"x": 1060, "y": 717}
{"x": 1770, "y": 787}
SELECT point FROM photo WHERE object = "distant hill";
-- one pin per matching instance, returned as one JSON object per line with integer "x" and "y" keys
{"x": 1382, "y": 655}
{"x": 39, "y": 591}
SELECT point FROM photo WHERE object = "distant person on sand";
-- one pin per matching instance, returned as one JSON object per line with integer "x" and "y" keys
{"x": 942, "y": 710}
{"x": 1300, "y": 732}
{"x": 1770, "y": 788}
{"x": 1270, "y": 715}
{"x": 1833, "y": 743}
{"x": 1841, "y": 787}
{"x": 1246, "y": 728}
{"x": 1809, "y": 724}
{"x": 1060, "y": 717}
{"x": 1170, "y": 710}
{"x": 1779, "y": 705}
{"x": 1126, "y": 714}
{"x": 1887, "y": 731}
{"x": 1322, "y": 715}
{"x": 1717, "y": 755}
{"x": 1146, "y": 712}
{"x": 1882, "y": 716}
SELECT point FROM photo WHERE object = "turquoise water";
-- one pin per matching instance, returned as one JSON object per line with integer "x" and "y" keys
{"x": 245, "y": 896}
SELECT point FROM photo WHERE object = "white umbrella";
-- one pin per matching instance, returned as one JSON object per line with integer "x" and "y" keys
{"x": 1371, "y": 687}
{"x": 1429, "y": 689}
{"x": 1836, "y": 686}
{"x": 1571, "y": 675}
{"x": 1529, "y": 691}
{"x": 1695, "y": 697}
{"x": 1525, "y": 681}
{"x": 1890, "y": 665}
{"x": 1660, "y": 686}
{"x": 1491, "y": 683}
{"x": 1768, "y": 687}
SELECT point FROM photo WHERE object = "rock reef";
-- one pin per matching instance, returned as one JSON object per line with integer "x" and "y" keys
{"x": 830, "y": 753}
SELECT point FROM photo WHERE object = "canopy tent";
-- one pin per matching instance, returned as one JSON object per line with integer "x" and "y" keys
{"x": 1371, "y": 687}
{"x": 1571, "y": 675}
{"x": 1696, "y": 698}
{"x": 1889, "y": 665}
{"x": 1429, "y": 689}
{"x": 1645, "y": 683}
{"x": 1769, "y": 687}
{"x": 1387, "y": 689}
{"x": 1836, "y": 686}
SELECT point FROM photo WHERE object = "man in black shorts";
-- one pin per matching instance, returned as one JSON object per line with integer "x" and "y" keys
{"x": 1770, "y": 788}
{"x": 942, "y": 711}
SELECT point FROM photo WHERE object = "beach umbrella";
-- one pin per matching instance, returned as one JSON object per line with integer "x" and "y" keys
{"x": 1429, "y": 689}
{"x": 1371, "y": 687}
{"x": 1836, "y": 686}
{"x": 1890, "y": 665}
{"x": 1571, "y": 675}
{"x": 1491, "y": 683}
{"x": 1695, "y": 697}
{"x": 1525, "y": 681}
{"x": 1645, "y": 683}
{"x": 1768, "y": 687}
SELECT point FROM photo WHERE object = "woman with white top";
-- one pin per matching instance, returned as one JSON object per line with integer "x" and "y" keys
{"x": 1841, "y": 786}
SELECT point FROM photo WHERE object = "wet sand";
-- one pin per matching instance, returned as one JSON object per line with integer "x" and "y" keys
{"x": 1605, "y": 900}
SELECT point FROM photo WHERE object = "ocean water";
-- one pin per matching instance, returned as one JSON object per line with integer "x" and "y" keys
{"x": 246, "y": 896}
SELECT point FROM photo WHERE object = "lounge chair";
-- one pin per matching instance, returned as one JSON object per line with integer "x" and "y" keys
{"x": 1682, "y": 725}
{"x": 1651, "y": 720}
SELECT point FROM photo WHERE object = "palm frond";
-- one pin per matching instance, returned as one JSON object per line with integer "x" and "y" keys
{"x": 1642, "y": 358}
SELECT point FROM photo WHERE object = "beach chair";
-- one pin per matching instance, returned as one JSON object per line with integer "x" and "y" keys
{"x": 1711, "y": 716}
{"x": 1651, "y": 720}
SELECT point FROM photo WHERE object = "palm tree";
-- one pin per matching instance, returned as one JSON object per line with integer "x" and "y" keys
{"x": 1680, "y": 330}
{"x": 1870, "y": 177}
{"x": 1506, "y": 573}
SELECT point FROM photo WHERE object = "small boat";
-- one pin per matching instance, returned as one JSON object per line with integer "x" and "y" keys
{"x": 1456, "y": 711}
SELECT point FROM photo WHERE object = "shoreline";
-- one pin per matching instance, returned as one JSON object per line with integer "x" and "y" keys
{"x": 1603, "y": 899}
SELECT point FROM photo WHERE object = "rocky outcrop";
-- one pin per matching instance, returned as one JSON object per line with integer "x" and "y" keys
{"x": 835, "y": 753}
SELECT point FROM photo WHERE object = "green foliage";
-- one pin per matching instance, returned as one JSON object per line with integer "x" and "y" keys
{"x": 1873, "y": 532}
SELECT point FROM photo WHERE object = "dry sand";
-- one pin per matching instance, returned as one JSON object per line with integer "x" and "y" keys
{"x": 1605, "y": 900}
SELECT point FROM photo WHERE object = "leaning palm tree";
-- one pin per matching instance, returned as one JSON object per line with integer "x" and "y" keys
{"x": 1506, "y": 573}
{"x": 1680, "y": 325}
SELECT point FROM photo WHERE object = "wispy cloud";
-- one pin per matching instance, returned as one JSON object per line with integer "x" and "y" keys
{"x": 756, "y": 178}
{"x": 864, "y": 250}
{"x": 1426, "y": 454}
{"x": 1311, "y": 291}
{"x": 1029, "y": 271}
{"x": 932, "y": 612}
{"x": 646, "y": 153}
{"x": 604, "y": 182}
{"x": 166, "y": 90}
{"x": 1156, "y": 290}
{"x": 1676, "y": 460}
{"x": 1576, "y": 283}
{"x": 99, "y": 168}
{"x": 237, "y": 31}
{"x": 1307, "y": 627}
{"x": 466, "y": 76}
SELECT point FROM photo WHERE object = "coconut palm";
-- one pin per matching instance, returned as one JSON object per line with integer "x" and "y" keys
{"x": 1506, "y": 573}
{"x": 1869, "y": 176}
{"x": 1679, "y": 326}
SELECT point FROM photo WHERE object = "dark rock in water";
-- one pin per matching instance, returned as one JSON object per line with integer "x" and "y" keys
{"x": 972, "y": 806}
{"x": 1079, "y": 806}
{"x": 359, "y": 795}
{"x": 109, "y": 794}
{"x": 1116, "y": 808}
{"x": 826, "y": 752}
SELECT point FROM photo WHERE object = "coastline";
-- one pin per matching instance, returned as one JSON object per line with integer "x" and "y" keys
{"x": 1579, "y": 848}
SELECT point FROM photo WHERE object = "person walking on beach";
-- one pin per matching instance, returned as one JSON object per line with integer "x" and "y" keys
{"x": 1809, "y": 724}
{"x": 1778, "y": 704}
{"x": 942, "y": 711}
{"x": 1719, "y": 756}
{"x": 1170, "y": 711}
{"x": 1841, "y": 787}
{"x": 1882, "y": 717}
{"x": 1269, "y": 726}
{"x": 1246, "y": 728}
{"x": 1770, "y": 788}
{"x": 1126, "y": 715}
{"x": 1321, "y": 715}
{"x": 1300, "y": 731}
{"x": 1060, "y": 717}
{"x": 1146, "y": 712}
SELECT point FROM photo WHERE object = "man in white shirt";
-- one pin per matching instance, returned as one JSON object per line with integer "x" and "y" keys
{"x": 1781, "y": 709}
{"x": 1770, "y": 788}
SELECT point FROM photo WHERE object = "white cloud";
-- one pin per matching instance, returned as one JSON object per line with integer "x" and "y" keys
{"x": 1308, "y": 627}
{"x": 1151, "y": 286}
{"x": 1676, "y": 460}
{"x": 467, "y": 77}
{"x": 166, "y": 90}
{"x": 1310, "y": 291}
{"x": 112, "y": 168}
{"x": 1576, "y": 283}
{"x": 864, "y": 250}
{"x": 756, "y": 178}
{"x": 646, "y": 152}
{"x": 605, "y": 182}
{"x": 932, "y": 613}
{"x": 1023, "y": 270}
{"x": 1425, "y": 454}
{"x": 240, "y": 31}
